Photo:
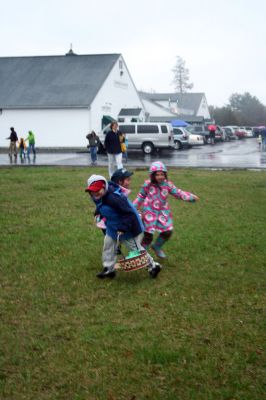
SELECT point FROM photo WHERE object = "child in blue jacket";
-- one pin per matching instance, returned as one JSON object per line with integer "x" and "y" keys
{"x": 121, "y": 219}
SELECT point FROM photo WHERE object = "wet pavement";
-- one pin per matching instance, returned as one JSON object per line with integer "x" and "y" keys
{"x": 235, "y": 154}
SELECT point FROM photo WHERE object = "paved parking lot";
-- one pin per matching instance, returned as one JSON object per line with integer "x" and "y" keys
{"x": 235, "y": 154}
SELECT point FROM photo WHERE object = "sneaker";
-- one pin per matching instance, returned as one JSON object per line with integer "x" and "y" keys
{"x": 159, "y": 252}
{"x": 155, "y": 270}
{"x": 105, "y": 273}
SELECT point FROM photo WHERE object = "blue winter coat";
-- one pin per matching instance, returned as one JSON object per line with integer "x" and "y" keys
{"x": 120, "y": 214}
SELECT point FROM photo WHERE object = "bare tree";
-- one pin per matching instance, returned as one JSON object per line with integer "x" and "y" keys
{"x": 181, "y": 76}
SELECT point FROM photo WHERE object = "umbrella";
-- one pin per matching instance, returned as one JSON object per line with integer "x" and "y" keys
{"x": 212, "y": 127}
{"x": 179, "y": 122}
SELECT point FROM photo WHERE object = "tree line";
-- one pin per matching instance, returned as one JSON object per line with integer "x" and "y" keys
{"x": 242, "y": 109}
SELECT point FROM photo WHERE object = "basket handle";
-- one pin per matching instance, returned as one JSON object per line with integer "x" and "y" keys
{"x": 118, "y": 240}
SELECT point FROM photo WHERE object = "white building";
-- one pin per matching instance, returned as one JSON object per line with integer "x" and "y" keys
{"x": 62, "y": 98}
{"x": 190, "y": 107}
{"x": 131, "y": 115}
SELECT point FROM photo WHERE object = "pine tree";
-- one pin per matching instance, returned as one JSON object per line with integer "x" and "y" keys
{"x": 181, "y": 76}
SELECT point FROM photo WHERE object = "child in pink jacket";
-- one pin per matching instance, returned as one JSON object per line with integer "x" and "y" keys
{"x": 156, "y": 213}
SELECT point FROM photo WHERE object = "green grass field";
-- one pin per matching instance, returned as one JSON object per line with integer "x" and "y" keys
{"x": 195, "y": 332}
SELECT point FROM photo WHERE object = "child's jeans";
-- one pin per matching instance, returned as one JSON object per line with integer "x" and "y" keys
{"x": 109, "y": 250}
{"x": 93, "y": 151}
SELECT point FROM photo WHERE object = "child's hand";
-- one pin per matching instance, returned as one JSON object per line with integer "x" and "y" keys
{"x": 196, "y": 198}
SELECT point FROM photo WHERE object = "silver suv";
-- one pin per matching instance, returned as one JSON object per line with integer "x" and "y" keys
{"x": 147, "y": 136}
{"x": 181, "y": 136}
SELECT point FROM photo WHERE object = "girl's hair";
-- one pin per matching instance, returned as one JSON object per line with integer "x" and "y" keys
{"x": 153, "y": 179}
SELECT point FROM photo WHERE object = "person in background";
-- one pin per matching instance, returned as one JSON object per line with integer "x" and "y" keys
{"x": 212, "y": 130}
{"x": 93, "y": 146}
{"x": 124, "y": 146}
{"x": 112, "y": 144}
{"x": 13, "y": 142}
{"x": 22, "y": 148}
{"x": 156, "y": 213}
{"x": 263, "y": 138}
{"x": 31, "y": 140}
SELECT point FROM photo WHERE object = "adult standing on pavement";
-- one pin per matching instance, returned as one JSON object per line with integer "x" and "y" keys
{"x": 93, "y": 146}
{"x": 263, "y": 138}
{"x": 31, "y": 140}
{"x": 212, "y": 130}
{"x": 112, "y": 144}
{"x": 13, "y": 140}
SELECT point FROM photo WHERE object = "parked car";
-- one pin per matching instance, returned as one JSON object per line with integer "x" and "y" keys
{"x": 231, "y": 131}
{"x": 249, "y": 131}
{"x": 147, "y": 136}
{"x": 219, "y": 136}
{"x": 180, "y": 138}
{"x": 195, "y": 140}
{"x": 240, "y": 132}
{"x": 226, "y": 134}
{"x": 183, "y": 138}
{"x": 201, "y": 130}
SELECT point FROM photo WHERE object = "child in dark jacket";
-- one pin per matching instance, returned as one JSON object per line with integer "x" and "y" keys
{"x": 121, "y": 219}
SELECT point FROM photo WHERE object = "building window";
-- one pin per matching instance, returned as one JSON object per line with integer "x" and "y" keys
{"x": 120, "y": 64}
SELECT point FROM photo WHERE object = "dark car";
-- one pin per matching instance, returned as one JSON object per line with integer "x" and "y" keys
{"x": 201, "y": 130}
{"x": 228, "y": 134}
{"x": 231, "y": 131}
{"x": 219, "y": 136}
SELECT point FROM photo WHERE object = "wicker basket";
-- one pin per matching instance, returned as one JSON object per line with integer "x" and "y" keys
{"x": 133, "y": 263}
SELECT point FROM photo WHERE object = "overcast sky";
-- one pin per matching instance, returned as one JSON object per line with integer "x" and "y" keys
{"x": 223, "y": 42}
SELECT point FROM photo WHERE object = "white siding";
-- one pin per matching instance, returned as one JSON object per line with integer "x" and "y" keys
{"x": 204, "y": 109}
{"x": 68, "y": 127}
{"x": 52, "y": 128}
{"x": 155, "y": 110}
{"x": 118, "y": 91}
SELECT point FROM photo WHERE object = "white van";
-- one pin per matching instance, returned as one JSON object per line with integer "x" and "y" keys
{"x": 147, "y": 136}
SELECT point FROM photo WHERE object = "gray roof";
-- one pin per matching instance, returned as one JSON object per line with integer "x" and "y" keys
{"x": 129, "y": 111}
{"x": 189, "y": 101}
{"x": 53, "y": 81}
{"x": 187, "y": 118}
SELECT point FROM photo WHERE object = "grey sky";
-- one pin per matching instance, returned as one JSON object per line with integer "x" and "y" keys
{"x": 222, "y": 41}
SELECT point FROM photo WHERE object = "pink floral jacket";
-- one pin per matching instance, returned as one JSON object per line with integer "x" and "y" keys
{"x": 156, "y": 213}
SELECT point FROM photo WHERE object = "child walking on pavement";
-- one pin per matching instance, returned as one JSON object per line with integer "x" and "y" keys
{"x": 121, "y": 219}
{"x": 22, "y": 148}
{"x": 156, "y": 213}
